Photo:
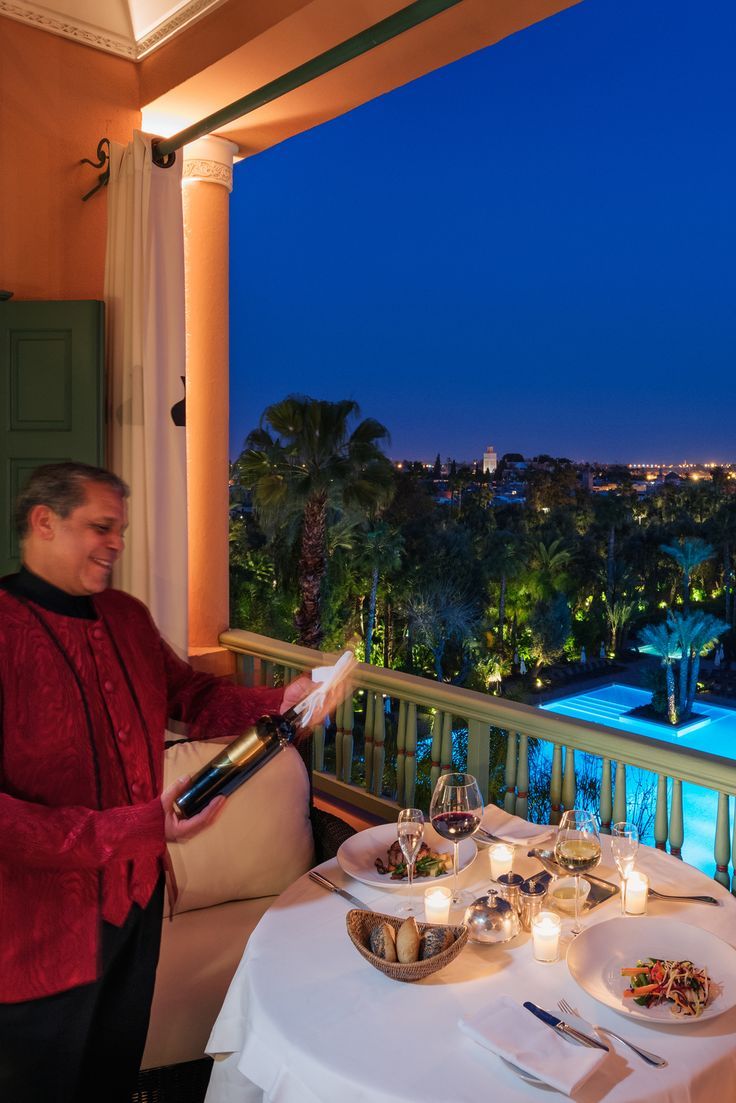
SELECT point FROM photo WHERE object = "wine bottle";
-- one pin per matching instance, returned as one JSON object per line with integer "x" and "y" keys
{"x": 237, "y": 762}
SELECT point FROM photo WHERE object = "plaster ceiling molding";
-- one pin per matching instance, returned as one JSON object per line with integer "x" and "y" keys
{"x": 129, "y": 28}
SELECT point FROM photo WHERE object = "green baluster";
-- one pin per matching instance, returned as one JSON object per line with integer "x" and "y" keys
{"x": 410, "y": 775}
{"x": 370, "y": 705}
{"x": 446, "y": 748}
{"x": 660, "y": 816}
{"x": 619, "y": 798}
{"x": 479, "y": 751}
{"x": 318, "y": 752}
{"x": 436, "y": 752}
{"x": 522, "y": 777}
{"x": 401, "y": 755}
{"x": 268, "y": 673}
{"x": 379, "y": 744}
{"x": 569, "y": 785}
{"x": 339, "y": 729}
{"x": 722, "y": 848}
{"x": 244, "y": 665}
{"x": 347, "y": 737}
{"x": 677, "y": 823}
{"x": 555, "y": 785}
{"x": 509, "y": 800}
{"x": 606, "y": 797}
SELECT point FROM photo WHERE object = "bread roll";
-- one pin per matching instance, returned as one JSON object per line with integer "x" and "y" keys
{"x": 383, "y": 942}
{"x": 435, "y": 940}
{"x": 407, "y": 941}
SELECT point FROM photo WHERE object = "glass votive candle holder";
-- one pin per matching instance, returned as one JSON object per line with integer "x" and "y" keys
{"x": 437, "y": 904}
{"x": 501, "y": 857}
{"x": 636, "y": 893}
{"x": 546, "y": 929}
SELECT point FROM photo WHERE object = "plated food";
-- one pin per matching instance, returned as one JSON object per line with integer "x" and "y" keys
{"x": 655, "y": 980}
{"x": 429, "y": 863}
{"x": 598, "y": 957}
{"x": 357, "y": 855}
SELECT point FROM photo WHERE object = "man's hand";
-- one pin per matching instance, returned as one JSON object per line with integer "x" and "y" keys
{"x": 179, "y": 830}
{"x": 296, "y": 691}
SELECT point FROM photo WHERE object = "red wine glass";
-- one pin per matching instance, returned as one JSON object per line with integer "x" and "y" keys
{"x": 455, "y": 812}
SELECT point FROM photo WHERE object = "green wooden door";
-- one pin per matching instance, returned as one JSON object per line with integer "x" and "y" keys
{"x": 51, "y": 382}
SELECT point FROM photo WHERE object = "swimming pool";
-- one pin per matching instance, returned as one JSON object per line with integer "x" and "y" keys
{"x": 714, "y": 730}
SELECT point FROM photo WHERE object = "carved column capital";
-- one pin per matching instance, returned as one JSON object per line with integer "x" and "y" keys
{"x": 210, "y": 160}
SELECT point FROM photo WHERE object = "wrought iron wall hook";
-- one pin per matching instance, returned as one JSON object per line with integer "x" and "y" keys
{"x": 102, "y": 162}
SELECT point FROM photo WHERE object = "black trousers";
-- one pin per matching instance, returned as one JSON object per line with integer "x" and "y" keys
{"x": 85, "y": 1045}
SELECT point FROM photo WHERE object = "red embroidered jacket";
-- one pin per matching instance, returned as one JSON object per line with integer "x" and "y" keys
{"x": 84, "y": 707}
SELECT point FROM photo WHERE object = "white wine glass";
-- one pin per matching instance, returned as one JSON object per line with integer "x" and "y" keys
{"x": 577, "y": 850}
{"x": 410, "y": 831}
{"x": 455, "y": 812}
{"x": 624, "y": 846}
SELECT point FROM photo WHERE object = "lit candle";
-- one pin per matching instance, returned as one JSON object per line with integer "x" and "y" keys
{"x": 437, "y": 904}
{"x": 636, "y": 892}
{"x": 501, "y": 858}
{"x": 546, "y": 936}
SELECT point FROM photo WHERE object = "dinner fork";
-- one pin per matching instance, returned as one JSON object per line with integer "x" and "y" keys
{"x": 650, "y": 1058}
{"x": 698, "y": 899}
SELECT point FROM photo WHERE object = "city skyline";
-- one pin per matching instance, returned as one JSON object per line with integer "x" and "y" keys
{"x": 538, "y": 238}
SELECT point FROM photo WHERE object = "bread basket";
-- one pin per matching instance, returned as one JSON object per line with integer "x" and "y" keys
{"x": 361, "y": 923}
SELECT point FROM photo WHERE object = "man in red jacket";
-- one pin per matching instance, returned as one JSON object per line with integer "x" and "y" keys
{"x": 87, "y": 685}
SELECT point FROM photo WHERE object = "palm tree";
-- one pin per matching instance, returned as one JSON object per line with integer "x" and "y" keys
{"x": 618, "y": 614}
{"x": 663, "y": 642}
{"x": 441, "y": 616}
{"x": 505, "y": 560}
{"x": 695, "y": 633}
{"x": 383, "y": 550}
{"x": 547, "y": 564}
{"x": 311, "y": 463}
{"x": 689, "y": 553}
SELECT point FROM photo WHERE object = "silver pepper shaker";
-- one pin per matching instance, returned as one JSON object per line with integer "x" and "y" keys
{"x": 507, "y": 887}
{"x": 532, "y": 894}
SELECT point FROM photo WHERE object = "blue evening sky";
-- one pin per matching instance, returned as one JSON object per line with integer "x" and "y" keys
{"x": 534, "y": 247}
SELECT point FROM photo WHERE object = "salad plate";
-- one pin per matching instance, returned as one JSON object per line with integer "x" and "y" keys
{"x": 597, "y": 956}
{"x": 357, "y": 855}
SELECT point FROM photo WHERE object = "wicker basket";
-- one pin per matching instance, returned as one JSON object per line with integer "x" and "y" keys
{"x": 361, "y": 923}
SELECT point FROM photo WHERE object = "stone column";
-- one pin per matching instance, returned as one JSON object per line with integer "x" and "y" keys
{"x": 208, "y": 181}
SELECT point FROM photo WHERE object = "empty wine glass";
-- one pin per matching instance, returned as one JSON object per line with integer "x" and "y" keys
{"x": 455, "y": 811}
{"x": 624, "y": 845}
{"x": 578, "y": 850}
{"x": 410, "y": 830}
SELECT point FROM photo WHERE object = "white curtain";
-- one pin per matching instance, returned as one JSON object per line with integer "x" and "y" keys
{"x": 144, "y": 295}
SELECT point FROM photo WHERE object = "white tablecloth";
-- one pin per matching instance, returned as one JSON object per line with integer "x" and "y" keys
{"x": 307, "y": 1020}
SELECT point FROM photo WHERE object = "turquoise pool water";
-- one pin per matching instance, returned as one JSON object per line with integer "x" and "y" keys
{"x": 714, "y": 730}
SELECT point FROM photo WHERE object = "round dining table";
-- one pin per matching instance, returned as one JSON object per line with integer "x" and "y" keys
{"x": 308, "y": 1020}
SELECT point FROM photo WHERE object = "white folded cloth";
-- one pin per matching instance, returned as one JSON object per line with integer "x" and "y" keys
{"x": 512, "y": 1032}
{"x": 512, "y": 829}
{"x": 327, "y": 679}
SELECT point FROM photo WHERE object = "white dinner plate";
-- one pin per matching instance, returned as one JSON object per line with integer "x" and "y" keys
{"x": 357, "y": 855}
{"x": 595, "y": 959}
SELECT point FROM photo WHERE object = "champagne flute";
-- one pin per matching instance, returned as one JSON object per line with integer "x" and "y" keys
{"x": 455, "y": 811}
{"x": 624, "y": 845}
{"x": 578, "y": 850}
{"x": 410, "y": 830}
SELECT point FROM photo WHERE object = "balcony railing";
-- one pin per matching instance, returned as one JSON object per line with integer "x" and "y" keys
{"x": 361, "y": 779}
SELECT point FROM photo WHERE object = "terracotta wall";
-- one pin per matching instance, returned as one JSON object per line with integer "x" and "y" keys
{"x": 57, "y": 99}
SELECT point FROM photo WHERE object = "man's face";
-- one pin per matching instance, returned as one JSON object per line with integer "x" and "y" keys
{"x": 85, "y": 545}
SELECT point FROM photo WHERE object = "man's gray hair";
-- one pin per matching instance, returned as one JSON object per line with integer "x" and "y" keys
{"x": 61, "y": 487}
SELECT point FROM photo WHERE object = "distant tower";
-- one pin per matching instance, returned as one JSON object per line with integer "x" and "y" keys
{"x": 490, "y": 460}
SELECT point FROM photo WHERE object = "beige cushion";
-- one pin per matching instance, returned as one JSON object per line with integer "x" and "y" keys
{"x": 262, "y": 840}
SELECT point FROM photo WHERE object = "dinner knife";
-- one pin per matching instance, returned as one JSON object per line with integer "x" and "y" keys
{"x": 564, "y": 1028}
{"x": 325, "y": 884}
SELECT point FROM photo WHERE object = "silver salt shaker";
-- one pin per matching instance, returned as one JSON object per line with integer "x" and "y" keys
{"x": 507, "y": 887}
{"x": 531, "y": 901}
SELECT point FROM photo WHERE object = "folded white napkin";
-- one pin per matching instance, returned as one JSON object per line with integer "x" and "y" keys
{"x": 512, "y": 1032}
{"x": 512, "y": 829}
{"x": 327, "y": 678}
